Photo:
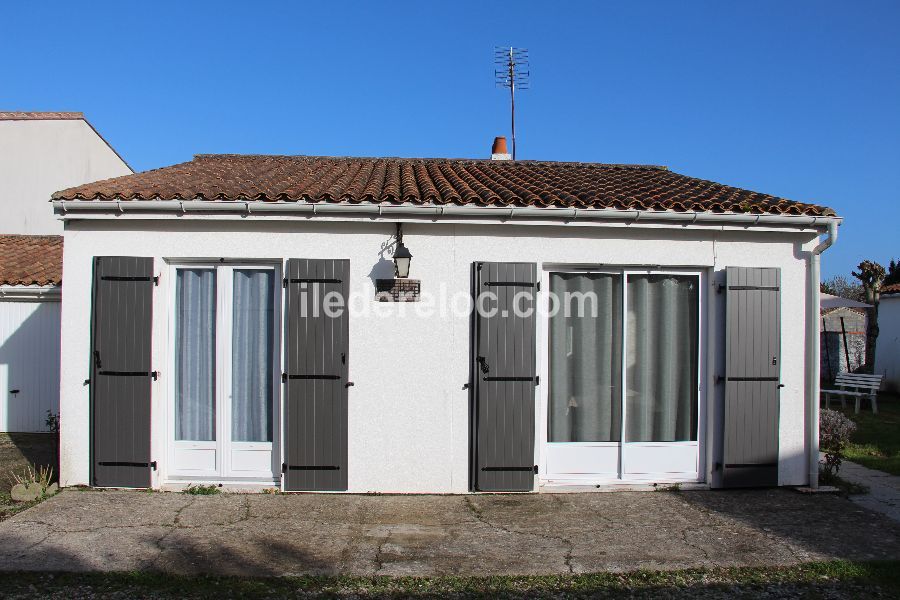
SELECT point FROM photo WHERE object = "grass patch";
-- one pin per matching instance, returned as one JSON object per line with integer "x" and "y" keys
{"x": 876, "y": 442}
{"x": 8, "y": 508}
{"x": 848, "y": 487}
{"x": 826, "y": 579}
{"x": 202, "y": 490}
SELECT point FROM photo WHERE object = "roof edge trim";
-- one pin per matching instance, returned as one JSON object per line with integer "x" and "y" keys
{"x": 69, "y": 209}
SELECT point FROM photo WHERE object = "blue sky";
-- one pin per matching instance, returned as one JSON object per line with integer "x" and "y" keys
{"x": 797, "y": 99}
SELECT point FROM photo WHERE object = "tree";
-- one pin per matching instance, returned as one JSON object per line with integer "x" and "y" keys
{"x": 893, "y": 273}
{"x": 840, "y": 285}
{"x": 872, "y": 276}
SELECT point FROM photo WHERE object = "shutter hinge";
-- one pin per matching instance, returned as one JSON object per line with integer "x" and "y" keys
{"x": 538, "y": 286}
{"x": 284, "y": 378}
{"x": 535, "y": 469}
{"x": 154, "y": 375}
{"x": 284, "y": 467}
{"x": 156, "y": 280}
{"x": 537, "y": 380}
{"x": 284, "y": 282}
{"x": 153, "y": 465}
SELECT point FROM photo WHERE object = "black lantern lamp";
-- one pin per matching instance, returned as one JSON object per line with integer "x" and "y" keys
{"x": 400, "y": 288}
{"x": 402, "y": 256}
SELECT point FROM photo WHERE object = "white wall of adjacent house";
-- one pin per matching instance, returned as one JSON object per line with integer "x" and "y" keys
{"x": 39, "y": 157}
{"x": 409, "y": 417}
{"x": 887, "y": 347}
{"x": 29, "y": 362}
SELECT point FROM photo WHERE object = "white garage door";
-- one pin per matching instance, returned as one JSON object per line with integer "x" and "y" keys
{"x": 29, "y": 364}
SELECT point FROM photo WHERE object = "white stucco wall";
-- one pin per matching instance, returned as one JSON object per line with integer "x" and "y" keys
{"x": 887, "y": 347}
{"x": 408, "y": 419}
{"x": 39, "y": 157}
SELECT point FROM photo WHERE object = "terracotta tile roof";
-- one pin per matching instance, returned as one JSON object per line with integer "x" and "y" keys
{"x": 894, "y": 288}
{"x": 31, "y": 259}
{"x": 40, "y": 116}
{"x": 227, "y": 177}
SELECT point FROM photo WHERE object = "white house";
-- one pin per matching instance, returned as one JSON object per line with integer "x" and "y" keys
{"x": 887, "y": 347}
{"x": 237, "y": 320}
{"x": 39, "y": 153}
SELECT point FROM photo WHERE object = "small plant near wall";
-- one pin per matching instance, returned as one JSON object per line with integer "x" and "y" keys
{"x": 834, "y": 434}
{"x": 202, "y": 490}
{"x": 34, "y": 483}
{"x": 52, "y": 422}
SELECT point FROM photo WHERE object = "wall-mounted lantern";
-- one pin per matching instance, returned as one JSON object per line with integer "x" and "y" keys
{"x": 401, "y": 288}
{"x": 402, "y": 256}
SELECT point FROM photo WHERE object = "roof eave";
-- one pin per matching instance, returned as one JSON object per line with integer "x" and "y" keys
{"x": 72, "y": 209}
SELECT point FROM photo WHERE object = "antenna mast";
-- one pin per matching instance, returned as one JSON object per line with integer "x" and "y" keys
{"x": 513, "y": 77}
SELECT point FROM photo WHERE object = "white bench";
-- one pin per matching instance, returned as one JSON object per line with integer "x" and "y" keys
{"x": 857, "y": 385}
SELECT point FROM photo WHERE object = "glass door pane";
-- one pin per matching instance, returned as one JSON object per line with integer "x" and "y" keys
{"x": 585, "y": 358}
{"x": 252, "y": 355}
{"x": 661, "y": 395}
{"x": 195, "y": 355}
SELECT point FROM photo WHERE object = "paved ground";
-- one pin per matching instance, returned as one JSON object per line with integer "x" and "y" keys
{"x": 438, "y": 535}
{"x": 884, "y": 489}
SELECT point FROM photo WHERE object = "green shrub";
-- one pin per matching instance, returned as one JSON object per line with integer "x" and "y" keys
{"x": 834, "y": 434}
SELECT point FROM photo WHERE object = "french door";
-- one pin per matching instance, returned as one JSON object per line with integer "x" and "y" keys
{"x": 622, "y": 362}
{"x": 223, "y": 389}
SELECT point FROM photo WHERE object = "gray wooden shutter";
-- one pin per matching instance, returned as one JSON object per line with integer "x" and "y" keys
{"x": 752, "y": 376}
{"x": 504, "y": 376}
{"x": 121, "y": 371}
{"x": 316, "y": 356}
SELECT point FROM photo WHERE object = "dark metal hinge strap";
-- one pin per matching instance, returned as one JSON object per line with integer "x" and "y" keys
{"x": 510, "y": 283}
{"x": 532, "y": 468}
{"x": 313, "y": 468}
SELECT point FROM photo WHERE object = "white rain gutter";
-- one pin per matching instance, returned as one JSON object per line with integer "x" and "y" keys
{"x": 813, "y": 354}
{"x": 30, "y": 293}
{"x": 70, "y": 208}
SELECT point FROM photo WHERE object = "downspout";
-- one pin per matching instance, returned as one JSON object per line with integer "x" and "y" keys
{"x": 813, "y": 354}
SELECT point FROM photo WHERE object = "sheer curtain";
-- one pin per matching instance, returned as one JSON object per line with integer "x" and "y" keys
{"x": 586, "y": 358}
{"x": 195, "y": 355}
{"x": 252, "y": 355}
{"x": 661, "y": 397}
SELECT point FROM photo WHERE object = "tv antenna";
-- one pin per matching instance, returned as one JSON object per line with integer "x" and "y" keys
{"x": 511, "y": 75}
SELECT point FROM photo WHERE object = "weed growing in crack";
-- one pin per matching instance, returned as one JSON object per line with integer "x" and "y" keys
{"x": 202, "y": 490}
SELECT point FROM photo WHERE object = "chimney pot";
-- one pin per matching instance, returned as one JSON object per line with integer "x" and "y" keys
{"x": 499, "y": 150}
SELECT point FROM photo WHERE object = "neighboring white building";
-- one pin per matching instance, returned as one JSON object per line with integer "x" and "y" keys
{"x": 887, "y": 346}
{"x": 39, "y": 153}
{"x": 204, "y": 300}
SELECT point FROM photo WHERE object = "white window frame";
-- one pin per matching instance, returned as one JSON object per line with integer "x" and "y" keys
{"x": 622, "y": 476}
{"x": 224, "y": 320}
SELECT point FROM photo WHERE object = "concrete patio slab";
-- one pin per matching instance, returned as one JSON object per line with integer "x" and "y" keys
{"x": 884, "y": 489}
{"x": 243, "y": 534}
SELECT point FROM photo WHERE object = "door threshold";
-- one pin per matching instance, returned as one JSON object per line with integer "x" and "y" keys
{"x": 625, "y": 486}
{"x": 233, "y": 487}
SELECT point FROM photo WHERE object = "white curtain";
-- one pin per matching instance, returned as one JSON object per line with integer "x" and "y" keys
{"x": 661, "y": 397}
{"x": 195, "y": 355}
{"x": 252, "y": 355}
{"x": 586, "y": 358}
